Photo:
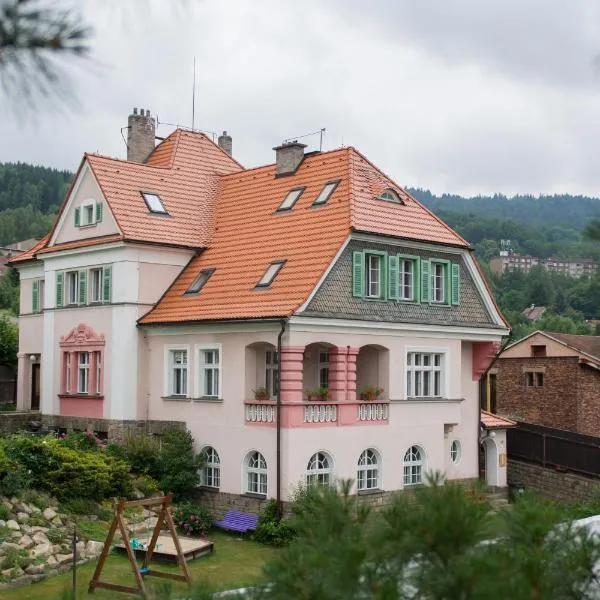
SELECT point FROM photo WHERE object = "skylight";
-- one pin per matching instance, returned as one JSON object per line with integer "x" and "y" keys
{"x": 326, "y": 192}
{"x": 200, "y": 281}
{"x": 270, "y": 273}
{"x": 154, "y": 203}
{"x": 390, "y": 195}
{"x": 291, "y": 198}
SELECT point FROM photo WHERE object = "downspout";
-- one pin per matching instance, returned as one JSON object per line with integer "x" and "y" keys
{"x": 278, "y": 421}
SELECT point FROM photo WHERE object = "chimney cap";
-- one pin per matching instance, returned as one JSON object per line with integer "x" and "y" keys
{"x": 289, "y": 144}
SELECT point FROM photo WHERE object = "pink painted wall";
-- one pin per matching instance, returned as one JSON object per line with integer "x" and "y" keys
{"x": 222, "y": 424}
{"x": 87, "y": 190}
{"x": 82, "y": 407}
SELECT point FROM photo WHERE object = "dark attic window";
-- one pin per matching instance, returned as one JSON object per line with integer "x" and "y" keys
{"x": 154, "y": 203}
{"x": 291, "y": 198}
{"x": 200, "y": 281}
{"x": 270, "y": 274}
{"x": 390, "y": 195}
{"x": 326, "y": 192}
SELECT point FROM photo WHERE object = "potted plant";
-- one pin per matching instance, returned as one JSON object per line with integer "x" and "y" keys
{"x": 370, "y": 392}
{"x": 321, "y": 393}
{"x": 261, "y": 393}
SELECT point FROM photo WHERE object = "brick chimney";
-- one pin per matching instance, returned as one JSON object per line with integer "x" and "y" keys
{"x": 288, "y": 157}
{"x": 226, "y": 143}
{"x": 141, "y": 129}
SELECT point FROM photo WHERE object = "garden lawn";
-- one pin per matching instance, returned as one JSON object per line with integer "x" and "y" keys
{"x": 234, "y": 563}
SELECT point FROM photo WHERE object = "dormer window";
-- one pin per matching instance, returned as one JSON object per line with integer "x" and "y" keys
{"x": 291, "y": 198}
{"x": 326, "y": 192}
{"x": 200, "y": 281}
{"x": 390, "y": 195}
{"x": 154, "y": 203}
{"x": 270, "y": 274}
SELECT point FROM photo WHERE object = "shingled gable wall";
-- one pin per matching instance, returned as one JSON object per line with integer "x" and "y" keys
{"x": 334, "y": 297}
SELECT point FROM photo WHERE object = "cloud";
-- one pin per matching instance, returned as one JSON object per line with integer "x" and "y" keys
{"x": 463, "y": 96}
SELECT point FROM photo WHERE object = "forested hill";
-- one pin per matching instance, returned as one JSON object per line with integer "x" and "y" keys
{"x": 29, "y": 199}
{"x": 542, "y": 226}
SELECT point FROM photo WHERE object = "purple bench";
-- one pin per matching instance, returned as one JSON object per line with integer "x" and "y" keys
{"x": 238, "y": 521}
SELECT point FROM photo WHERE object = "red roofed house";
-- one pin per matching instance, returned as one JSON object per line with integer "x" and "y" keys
{"x": 306, "y": 319}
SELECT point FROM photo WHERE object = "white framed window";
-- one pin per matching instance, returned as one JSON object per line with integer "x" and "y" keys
{"x": 414, "y": 463}
{"x": 83, "y": 372}
{"x": 72, "y": 286}
{"x": 209, "y": 371}
{"x": 407, "y": 279}
{"x": 425, "y": 375}
{"x": 210, "y": 475}
{"x": 438, "y": 281}
{"x": 177, "y": 375}
{"x": 390, "y": 196}
{"x": 67, "y": 356}
{"x": 534, "y": 379}
{"x": 319, "y": 470}
{"x": 373, "y": 270}
{"x": 455, "y": 451}
{"x": 367, "y": 476}
{"x": 255, "y": 467}
{"x": 88, "y": 214}
{"x": 271, "y": 373}
{"x": 98, "y": 373}
{"x": 96, "y": 285}
{"x": 324, "y": 368}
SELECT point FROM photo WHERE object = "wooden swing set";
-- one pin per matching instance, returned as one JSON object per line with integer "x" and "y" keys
{"x": 160, "y": 505}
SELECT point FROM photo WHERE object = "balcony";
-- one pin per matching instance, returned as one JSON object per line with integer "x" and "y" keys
{"x": 317, "y": 414}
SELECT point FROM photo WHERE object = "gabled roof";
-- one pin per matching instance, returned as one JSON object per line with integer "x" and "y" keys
{"x": 30, "y": 254}
{"x": 250, "y": 234}
{"x": 587, "y": 344}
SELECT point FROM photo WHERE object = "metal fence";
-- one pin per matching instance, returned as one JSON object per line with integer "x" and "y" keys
{"x": 555, "y": 448}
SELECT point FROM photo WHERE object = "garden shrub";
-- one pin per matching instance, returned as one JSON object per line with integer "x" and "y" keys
{"x": 56, "y": 535}
{"x": 271, "y": 529}
{"x": 4, "y": 512}
{"x": 142, "y": 452}
{"x": 192, "y": 519}
{"x": 15, "y": 482}
{"x": 81, "y": 440}
{"x": 38, "y": 498}
{"x": 145, "y": 484}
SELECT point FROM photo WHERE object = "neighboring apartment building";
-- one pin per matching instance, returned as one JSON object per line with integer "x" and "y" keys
{"x": 577, "y": 267}
{"x": 550, "y": 379}
{"x": 178, "y": 285}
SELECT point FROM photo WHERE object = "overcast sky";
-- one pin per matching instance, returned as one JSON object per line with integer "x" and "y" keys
{"x": 463, "y": 96}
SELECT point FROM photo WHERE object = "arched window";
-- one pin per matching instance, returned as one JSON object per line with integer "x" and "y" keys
{"x": 414, "y": 461}
{"x": 256, "y": 473}
{"x": 390, "y": 195}
{"x": 319, "y": 470}
{"x": 368, "y": 470}
{"x": 455, "y": 451}
{"x": 210, "y": 475}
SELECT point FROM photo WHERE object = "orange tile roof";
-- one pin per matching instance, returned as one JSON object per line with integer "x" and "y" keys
{"x": 491, "y": 421}
{"x": 30, "y": 254}
{"x": 249, "y": 235}
{"x": 84, "y": 243}
{"x": 187, "y": 187}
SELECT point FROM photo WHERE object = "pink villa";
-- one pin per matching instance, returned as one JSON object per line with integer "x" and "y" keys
{"x": 307, "y": 320}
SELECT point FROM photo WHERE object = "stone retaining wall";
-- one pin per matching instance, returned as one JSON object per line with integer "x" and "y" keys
{"x": 11, "y": 422}
{"x": 559, "y": 485}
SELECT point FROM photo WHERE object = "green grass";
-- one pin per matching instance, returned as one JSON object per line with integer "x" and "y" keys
{"x": 234, "y": 563}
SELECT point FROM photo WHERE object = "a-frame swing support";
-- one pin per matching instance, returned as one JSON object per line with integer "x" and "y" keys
{"x": 160, "y": 505}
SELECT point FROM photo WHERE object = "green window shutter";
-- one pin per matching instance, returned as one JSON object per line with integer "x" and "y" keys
{"x": 106, "y": 284}
{"x": 393, "y": 276}
{"x": 384, "y": 275}
{"x": 98, "y": 212}
{"x": 77, "y": 216}
{"x": 455, "y": 284}
{"x": 82, "y": 287}
{"x": 358, "y": 274}
{"x": 60, "y": 288}
{"x": 35, "y": 296}
{"x": 425, "y": 280}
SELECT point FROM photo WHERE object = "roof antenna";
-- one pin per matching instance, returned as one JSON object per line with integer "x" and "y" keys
{"x": 299, "y": 137}
{"x": 194, "y": 96}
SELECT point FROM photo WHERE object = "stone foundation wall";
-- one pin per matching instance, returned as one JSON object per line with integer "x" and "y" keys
{"x": 563, "y": 486}
{"x": 11, "y": 422}
{"x": 116, "y": 431}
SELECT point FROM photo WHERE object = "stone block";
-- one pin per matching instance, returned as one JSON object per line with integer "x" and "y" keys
{"x": 93, "y": 548}
{"x": 49, "y": 514}
{"x": 41, "y": 550}
{"x": 63, "y": 559}
{"x": 22, "y": 517}
{"x": 26, "y": 542}
{"x": 34, "y": 569}
{"x": 13, "y": 525}
{"x": 40, "y": 538}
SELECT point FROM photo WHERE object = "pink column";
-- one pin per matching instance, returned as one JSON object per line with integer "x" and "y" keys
{"x": 351, "y": 373}
{"x": 337, "y": 373}
{"x": 290, "y": 376}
